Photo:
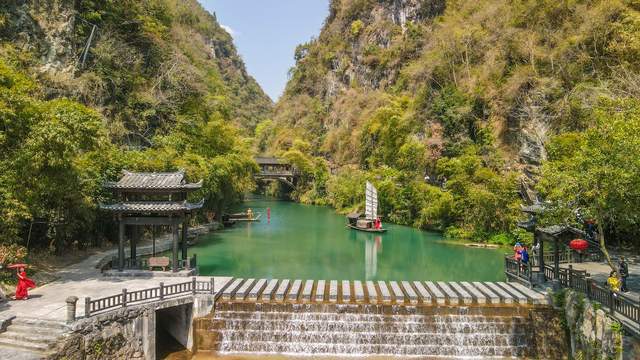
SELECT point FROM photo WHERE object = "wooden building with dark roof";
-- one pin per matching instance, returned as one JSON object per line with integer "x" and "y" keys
{"x": 152, "y": 199}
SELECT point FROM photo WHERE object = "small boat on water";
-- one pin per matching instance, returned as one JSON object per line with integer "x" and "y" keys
{"x": 370, "y": 222}
{"x": 245, "y": 216}
{"x": 226, "y": 221}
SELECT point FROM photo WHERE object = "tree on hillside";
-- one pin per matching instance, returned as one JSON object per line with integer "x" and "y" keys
{"x": 598, "y": 171}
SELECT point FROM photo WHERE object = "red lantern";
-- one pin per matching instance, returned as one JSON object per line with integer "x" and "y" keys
{"x": 579, "y": 244}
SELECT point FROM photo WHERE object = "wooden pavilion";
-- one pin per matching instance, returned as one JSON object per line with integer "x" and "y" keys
{"x": 152, "y": 199}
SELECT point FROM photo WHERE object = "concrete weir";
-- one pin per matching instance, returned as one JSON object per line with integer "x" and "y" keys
{"x": 387, "y": 318}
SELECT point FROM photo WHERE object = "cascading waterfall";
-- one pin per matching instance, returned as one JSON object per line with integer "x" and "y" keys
{"x": 364, "y": 329}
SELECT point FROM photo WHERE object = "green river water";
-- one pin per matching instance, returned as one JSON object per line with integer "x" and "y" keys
{"x": 312, "y": 242}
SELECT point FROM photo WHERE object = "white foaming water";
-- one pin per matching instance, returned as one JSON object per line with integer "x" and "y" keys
{"x": 360, "y": 331}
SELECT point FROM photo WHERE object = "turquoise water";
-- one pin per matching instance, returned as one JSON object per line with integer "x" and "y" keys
{"x": 312, "y": 242}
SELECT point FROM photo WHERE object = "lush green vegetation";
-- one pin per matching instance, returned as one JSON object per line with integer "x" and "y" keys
{"x": 161, "y": 89}
{"x": 470, "y": 91}
{"x": 598, "y": 172}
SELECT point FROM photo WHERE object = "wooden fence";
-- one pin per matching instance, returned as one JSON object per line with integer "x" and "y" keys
{"x": 94, "y": 306}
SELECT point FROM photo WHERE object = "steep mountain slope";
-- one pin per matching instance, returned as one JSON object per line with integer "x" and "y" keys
{"x": 143, "y": 60}
{"x": 422, "y": 87}
{"x": 88, "y": 88}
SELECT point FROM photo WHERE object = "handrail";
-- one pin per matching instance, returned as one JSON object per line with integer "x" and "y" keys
{"x": 619, "y": 305}
{"x": 519, "y": 270}
{"x": 161, "y": 292}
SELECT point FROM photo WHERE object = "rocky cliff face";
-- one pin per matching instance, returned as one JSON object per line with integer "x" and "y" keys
{"x": 150, "y": 55}
{"x": 481, "y": 73}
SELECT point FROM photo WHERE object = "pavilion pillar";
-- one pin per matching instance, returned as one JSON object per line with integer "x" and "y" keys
{"x": 132, "y": 242}
{"x": 185, "y": 228}
{"x": 556, "y": 258}
{"x": 174, "y": 231}
{"x": 120, "y": 244}
{"x": 541, "y": 271}
{"x": 153, "y": 240}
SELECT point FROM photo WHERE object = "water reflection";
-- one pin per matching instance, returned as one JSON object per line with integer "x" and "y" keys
{"x": 372, "y": 247}
{"x": 312, "y": 242}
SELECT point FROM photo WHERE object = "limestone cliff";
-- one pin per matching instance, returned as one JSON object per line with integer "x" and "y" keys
{"x": 138, "y": 65}
{"x": 499, "y": 73}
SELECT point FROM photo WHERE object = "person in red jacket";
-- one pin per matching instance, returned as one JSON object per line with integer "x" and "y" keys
{"x": 24, "y": 283}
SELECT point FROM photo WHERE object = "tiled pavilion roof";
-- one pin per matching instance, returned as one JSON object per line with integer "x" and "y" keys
{"x": 152, "y": 181}
{"x": 153, "y": 206}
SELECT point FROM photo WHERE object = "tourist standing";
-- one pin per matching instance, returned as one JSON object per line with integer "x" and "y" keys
{"x": 524, "y": 255}
{"x": 613, "y": 282}
{"x": 517, "y": 248}
{"x": 24, "y": 283}
{"x": 623, "y": 268}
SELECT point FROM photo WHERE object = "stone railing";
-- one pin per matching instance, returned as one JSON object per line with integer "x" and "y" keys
{"x": 517, "y": 270}
{"x": 126, "y": 298}
{"x": 623, "y": 308}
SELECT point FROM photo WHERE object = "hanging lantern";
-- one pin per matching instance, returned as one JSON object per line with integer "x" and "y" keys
{"x": 578, "y": 244}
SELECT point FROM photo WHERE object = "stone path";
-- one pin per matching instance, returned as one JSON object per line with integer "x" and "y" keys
{"x": 84, "y": 279}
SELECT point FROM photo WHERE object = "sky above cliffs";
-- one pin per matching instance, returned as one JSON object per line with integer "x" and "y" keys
{"x": 266, "y": 33}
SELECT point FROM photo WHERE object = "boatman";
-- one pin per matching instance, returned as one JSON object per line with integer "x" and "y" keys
{"x": 250, "y": 214}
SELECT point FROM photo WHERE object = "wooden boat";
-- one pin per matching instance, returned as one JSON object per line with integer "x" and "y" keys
{"x": 365, "y": 228}
{"x": 482, "y": 245}
{"x": 226, "y": 221}
{"x": 244, "y": 216}
{"x": 367, "y": 222}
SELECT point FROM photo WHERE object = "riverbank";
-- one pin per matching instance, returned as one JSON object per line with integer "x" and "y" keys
{"x": 45, "y": 268}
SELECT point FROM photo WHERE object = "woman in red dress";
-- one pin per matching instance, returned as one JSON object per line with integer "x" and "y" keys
{"x": 24, "y": 283}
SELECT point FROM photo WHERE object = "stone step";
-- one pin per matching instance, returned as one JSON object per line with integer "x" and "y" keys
{"x": 29, "y": 329}
{"x": 368, "y": 327}
{"x": 323, "y": 316}
{"x": 375, "y": 338}
{"x": 23, "y": 345}
{"x": 14, "y": 353}
{"x": 29, "y": 336}
{"x": 39, "y": 323}
{"x": 365, "y": 349}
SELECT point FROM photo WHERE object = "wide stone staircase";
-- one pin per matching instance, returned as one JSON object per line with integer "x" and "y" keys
{"x": 30, "y": 338}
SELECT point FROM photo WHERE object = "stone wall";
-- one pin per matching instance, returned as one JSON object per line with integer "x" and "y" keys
{"x": 130, "y": 333}
{"x": 122, "y": 334}
{"x": 592, "y": 333}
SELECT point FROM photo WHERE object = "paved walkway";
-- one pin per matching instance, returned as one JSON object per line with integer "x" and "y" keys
{"x": 85, "y": 280}
{"x": 600, "y": 272}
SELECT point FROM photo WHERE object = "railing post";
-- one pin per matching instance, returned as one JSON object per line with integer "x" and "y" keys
{"x": 124, "y": 297}
{"x": 213, "y": 290}
{"x": 161, "y": 291}
{"x": 611, "y": 302}
{"x": 518, "y": 269}
{"x": 87, "y": 307}
{"x": 589, "y": 285}
{"x": 71, "y": 309}
{"x": 570, "y": 277}
{"x": 193, "y": 285}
